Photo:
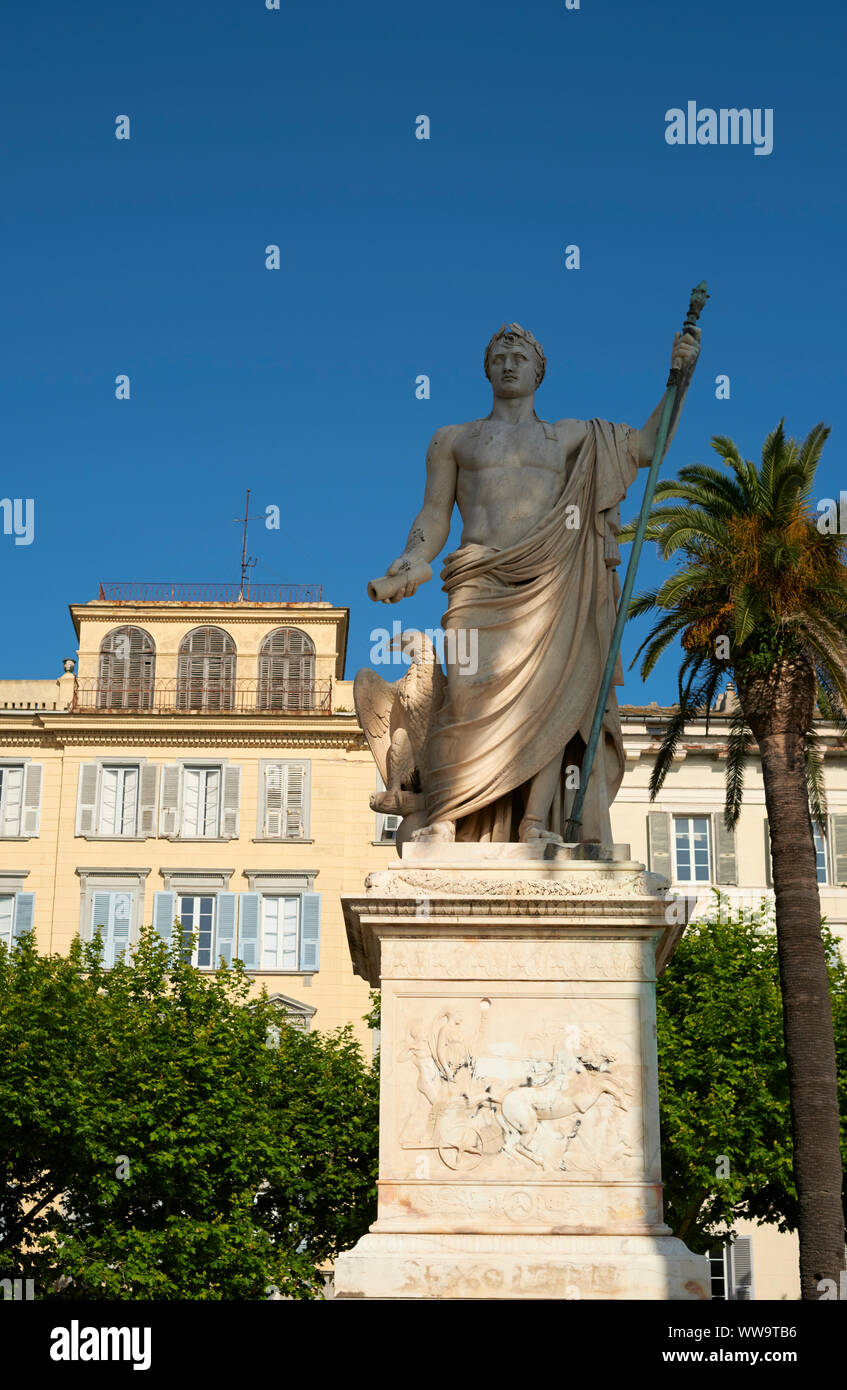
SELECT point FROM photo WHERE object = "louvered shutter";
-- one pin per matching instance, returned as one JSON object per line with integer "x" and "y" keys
{"x": 768, "y": 869}
{"x": 164, "y": 912}
{"x": 225, "y": 928}
{"x": 126, "y": 670}
{"x": 310, "y": 931}
{"x": 286, "y": 670}
{"x": 659, "y": 843}
{"x": 101, "y": 921}
{"x": 24, "y": 913}
{"x": 742, "y": 1269}
{"x": 13, "y": 790}
{"x": 33, "y": 779}
{"x": 248, "y": 929}
{"x": 206, "y": 670}
{"x": 170, "y": 799}
{"x": 275, "y": 774}
{"x": 294, "y": 799}
{"x": 86, "y": 799}
{"x": 726, "y": 869}
{"x": 231, "y": 801}
{"x": 838, "y": 839}
{"x": 148, "y": 798}
{"x": 140, "y": 668}
{"x": 118, "y": 946}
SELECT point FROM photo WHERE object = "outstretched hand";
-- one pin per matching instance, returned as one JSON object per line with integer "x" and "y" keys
{"x": 401, "y": 580}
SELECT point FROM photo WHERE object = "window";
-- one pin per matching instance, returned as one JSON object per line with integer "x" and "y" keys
{"x": 290, "y": 931}
{"x": 280, "y": 933}
{"x": 111, "y": 915}
{"x": 200, "y": 801}
{"x": 197, "y": 916}
{"x": 820, "y": 854}
{"x": 16, "y": 915}
{"x": 731, "y": 1268}
{"x": 127, "y": 669}
{"x": 691, "y": 845}
{"x": 20, "y": 799}
{"x": 117, "y": 800}
{"x": 208, "y": 921}
{"x": 274, "y": 931}
{"x": 11, "y": 799}
{"x": 286, "y": 670}
{"x": 206, "y": 670}
{"x": 284, "y": 800}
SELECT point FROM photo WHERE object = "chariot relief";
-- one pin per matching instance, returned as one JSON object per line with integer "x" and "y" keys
{"x": 479, "y": 1102}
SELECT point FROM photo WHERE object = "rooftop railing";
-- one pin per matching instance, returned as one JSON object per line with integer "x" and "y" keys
{"x": 177, "y": 591}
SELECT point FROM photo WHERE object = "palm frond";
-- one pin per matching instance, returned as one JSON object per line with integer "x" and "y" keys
{"x": 813, "y": 768}
{"x": 740, "y": 739}
{"x": 688, "y": 707}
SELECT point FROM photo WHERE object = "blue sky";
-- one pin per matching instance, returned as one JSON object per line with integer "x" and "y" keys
{"x": 399, "y": 257}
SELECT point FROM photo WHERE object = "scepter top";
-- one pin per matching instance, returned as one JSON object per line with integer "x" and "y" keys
{"x": 699, "y": 295}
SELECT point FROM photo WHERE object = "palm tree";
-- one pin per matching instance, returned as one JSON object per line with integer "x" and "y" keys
{"x": 761, "y": 599}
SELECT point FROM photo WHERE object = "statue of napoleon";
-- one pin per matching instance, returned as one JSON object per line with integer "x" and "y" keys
{"x": 490, "y": 751}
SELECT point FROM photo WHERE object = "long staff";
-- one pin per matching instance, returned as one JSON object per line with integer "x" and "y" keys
{"x": 699, "y": 296}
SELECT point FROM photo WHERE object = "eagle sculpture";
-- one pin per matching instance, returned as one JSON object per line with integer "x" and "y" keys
{"x": 398, "y": 717}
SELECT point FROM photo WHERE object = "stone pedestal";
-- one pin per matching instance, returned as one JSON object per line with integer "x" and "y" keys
{"x": 519, "y": 1125}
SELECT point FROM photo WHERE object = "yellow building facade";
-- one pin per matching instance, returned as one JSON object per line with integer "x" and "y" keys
{"x": 203, "y": 763}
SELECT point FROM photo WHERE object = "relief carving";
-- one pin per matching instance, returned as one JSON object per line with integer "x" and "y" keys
{"x": 487, "y": 1100}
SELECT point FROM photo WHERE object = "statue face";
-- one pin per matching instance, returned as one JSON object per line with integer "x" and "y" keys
{"x": 511, "y": 367}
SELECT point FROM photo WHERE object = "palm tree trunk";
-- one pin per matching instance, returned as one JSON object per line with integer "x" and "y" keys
{"x": 806, "y": 1006}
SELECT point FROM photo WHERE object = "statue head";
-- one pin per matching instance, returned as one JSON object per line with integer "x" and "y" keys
{"x": 514, "y": 362}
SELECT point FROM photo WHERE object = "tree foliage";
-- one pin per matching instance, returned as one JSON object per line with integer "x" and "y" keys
{"x": 723, "y": 1080}
{"x": 163, "y": 1136}
{"x": 757, "y": 572}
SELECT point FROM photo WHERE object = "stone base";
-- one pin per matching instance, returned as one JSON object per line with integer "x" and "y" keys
{"x": 519, "y": 1152}
{"x": 521, "y": 1266}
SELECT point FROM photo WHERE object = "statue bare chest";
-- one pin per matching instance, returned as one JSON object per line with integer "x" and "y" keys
{"x": 497, "y": 460}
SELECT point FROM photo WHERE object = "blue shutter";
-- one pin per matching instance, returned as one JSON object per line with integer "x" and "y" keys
{"x": 248, "y": 929}
{"x": 101, "y": 922}
{"x": 118, "y": 948}
{"x": 225, "y": 928}
{"x": 24, "y": 913}
{"x": 310, "y": 931}
{"x": 164, "y": 912}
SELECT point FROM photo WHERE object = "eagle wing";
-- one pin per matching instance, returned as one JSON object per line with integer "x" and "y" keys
{"x": 374, "y": 699}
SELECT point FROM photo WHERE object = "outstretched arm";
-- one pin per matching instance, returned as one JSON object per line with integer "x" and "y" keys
{"x": 683, "y": 353}
{"x": 430, "y": 528}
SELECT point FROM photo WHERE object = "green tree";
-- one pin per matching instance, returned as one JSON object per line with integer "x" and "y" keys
{"x": 761, "y": 598}
{"x": 723, "y": 1078}
{"x": 163, "y": 1136}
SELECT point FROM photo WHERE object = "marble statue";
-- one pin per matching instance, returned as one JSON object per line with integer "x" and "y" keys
{"x": 489, "y": 752}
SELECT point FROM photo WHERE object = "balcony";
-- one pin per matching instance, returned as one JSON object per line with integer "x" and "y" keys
{"x": 202, "y": 697}
{"x": 176, "y": 591}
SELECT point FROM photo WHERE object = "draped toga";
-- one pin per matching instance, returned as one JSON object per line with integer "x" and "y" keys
{"x": 543, "y": 610}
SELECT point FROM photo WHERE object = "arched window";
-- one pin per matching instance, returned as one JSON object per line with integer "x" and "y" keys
{"x": 286, "y": 670}
{"x": 127, "y": 669}
{"x": 206, "y": 670}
